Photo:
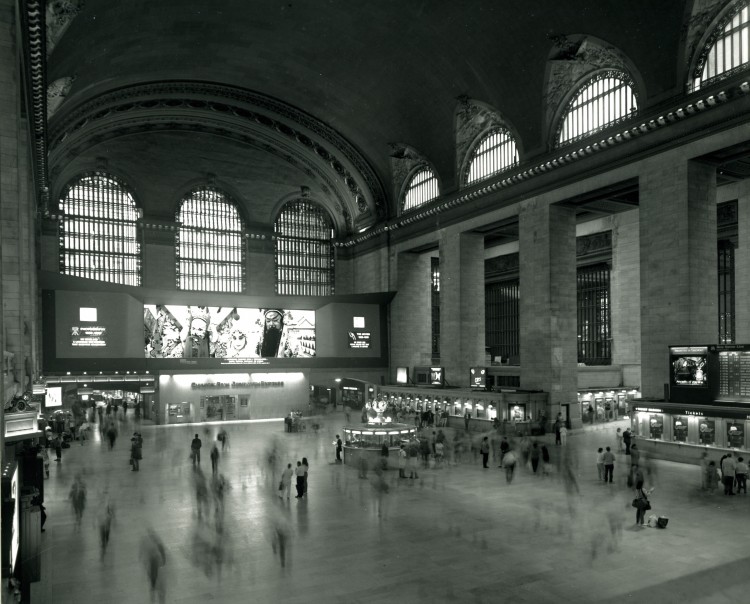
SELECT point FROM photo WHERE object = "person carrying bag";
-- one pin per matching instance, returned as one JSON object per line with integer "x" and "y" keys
{"x": 641, "y": 505}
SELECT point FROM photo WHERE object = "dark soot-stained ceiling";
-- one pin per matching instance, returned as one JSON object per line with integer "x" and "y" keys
{"x": 356, "y": 75}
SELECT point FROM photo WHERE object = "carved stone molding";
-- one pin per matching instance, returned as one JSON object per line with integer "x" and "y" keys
{"x": 473, "y": 120}
{"x": 60, "y": 14}
{"x": 239, "y": 105}
{"x": 727, "y": 214}
{"x": 56, "y": 93}
{"x": 598, "y": 243}
{"x": 506, "y": 265}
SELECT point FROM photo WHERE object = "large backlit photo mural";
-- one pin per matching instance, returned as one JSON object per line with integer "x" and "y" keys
{"x": 175, "y": 332}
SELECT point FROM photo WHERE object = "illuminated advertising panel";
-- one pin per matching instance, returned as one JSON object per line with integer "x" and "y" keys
{"x": 227, "y": 333}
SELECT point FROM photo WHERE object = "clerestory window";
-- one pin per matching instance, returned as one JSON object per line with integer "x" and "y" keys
{"x": 600, "y": 103}
{"x": 99, "y": 231}
{"x": 304, "y": 250}
{"x": 422, "y": 188}
{"x": 210, "y": 250}
{"x": 727, "y": 50}
{"x": 494, "y": 153}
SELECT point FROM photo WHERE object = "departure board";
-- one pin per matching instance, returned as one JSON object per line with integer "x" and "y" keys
{"x": 734, "y": 372}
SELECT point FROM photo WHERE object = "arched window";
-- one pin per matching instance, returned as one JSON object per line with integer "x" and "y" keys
{"x": 98, "y": 231}
{"x": 210, "y": 243}
{"x": 304, "y": 250}
{"x": 727, "y": 49}
{"x": 494, "y": 153}
{"x": 423, "y": 187}
{"x": 598, "y": 104}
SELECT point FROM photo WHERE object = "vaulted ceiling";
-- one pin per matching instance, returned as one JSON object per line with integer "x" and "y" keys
{"x": 272, "y": 96}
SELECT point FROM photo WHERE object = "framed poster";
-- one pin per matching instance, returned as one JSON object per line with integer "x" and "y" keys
{"x": 680, "y": 428}
{"x": 736, "y": 435}
{"x": 706, "y": 431}
{"x": 656, "y": 426}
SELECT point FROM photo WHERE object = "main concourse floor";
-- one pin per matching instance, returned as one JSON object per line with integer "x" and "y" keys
{"x": 457, "y": 534}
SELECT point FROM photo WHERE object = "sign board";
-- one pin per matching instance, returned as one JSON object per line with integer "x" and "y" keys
{"x": 88, "y": 336}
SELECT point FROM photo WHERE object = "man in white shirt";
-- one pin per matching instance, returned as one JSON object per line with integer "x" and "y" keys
{"x": 286, "y": 482}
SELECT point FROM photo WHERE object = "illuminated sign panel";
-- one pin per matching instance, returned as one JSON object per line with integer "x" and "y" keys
{"x": 88, "y": 336}
{"x": 359, "y": 339}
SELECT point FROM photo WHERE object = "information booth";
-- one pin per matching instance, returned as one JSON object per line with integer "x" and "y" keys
{"x": 512, "y": 411}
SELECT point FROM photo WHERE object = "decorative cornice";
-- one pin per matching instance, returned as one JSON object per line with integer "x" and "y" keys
{"x": 35, "y": 59}
{"x": 697, "y": 105}
{"x": 241, "y": 105}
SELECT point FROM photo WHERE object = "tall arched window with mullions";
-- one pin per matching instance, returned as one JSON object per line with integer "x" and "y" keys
{"x": 304, "y": 250}
{"x": 495, "y": 152}
{"x": 727, "y": 49}
{"x": 99, "y": 230}
{"x": 601, "y": 102}
{"x": 210, "y": 249}
{"x": 422, "y": 188}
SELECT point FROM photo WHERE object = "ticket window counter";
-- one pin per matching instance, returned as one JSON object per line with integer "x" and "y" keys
{"x": 653, "y": 427}
{"x": 492, "y": 411}
{"x": 480, "y": 411}
{"x": 736, "y": 434}
{"x": 458, "y": 407}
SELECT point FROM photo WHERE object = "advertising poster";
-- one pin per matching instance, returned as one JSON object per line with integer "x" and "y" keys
{"x": 680, "y": 428}
{"x": 706, "y": 431}
{"x": 174, "y": 332}
{"x": 689, "y": 365}
{"x": 736, "y": 435}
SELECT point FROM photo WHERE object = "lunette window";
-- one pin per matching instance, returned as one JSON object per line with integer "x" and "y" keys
{"x": 423, "y": 187}
{"x": 601, "y": 102}
{"x": 99, "y": 231}
{"x": 727, "y": 50}
{"x": 304, "y": 250}
{"x": 494, "y": 153}
{"x": 210, "y": 250}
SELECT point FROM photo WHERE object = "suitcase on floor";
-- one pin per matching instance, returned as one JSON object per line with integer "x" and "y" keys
{"x": 662, "y": 521}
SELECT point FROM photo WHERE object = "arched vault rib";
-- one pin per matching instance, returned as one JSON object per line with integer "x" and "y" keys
{"x": 231, "y": 112}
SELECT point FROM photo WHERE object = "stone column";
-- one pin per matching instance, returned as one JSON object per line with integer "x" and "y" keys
{"x": 625, "y": 300}
{"x": 679, "y": 287}
{"x": 410, "y": 332}
{"x": 547, "y": 305}
{"x": 742, "y": 266}
{"x": 461, "y": 305}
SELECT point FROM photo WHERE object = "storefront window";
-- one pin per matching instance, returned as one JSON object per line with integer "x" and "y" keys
{"x": 707, "y": 431}
{"x": 680, "y": 428}
{"x": 656, "y": 426}
{"x": 480, "y": 411}
{"x": 516, "y": 412}
{"x": 735, "y": 435}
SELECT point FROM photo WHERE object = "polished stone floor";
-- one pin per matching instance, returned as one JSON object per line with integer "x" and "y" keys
{"x": 457, "y": 534}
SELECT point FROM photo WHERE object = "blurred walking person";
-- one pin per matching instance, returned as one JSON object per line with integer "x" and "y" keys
{"x": 77, "y": 497}
{"x": 195, "y": 450}
{"x": 214, "y": 459}
{"x": 285, "y": 484}
{"x": 154, "y": 557}
{"x": 106, "y": 516}
{"x": 509, "y": 463}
